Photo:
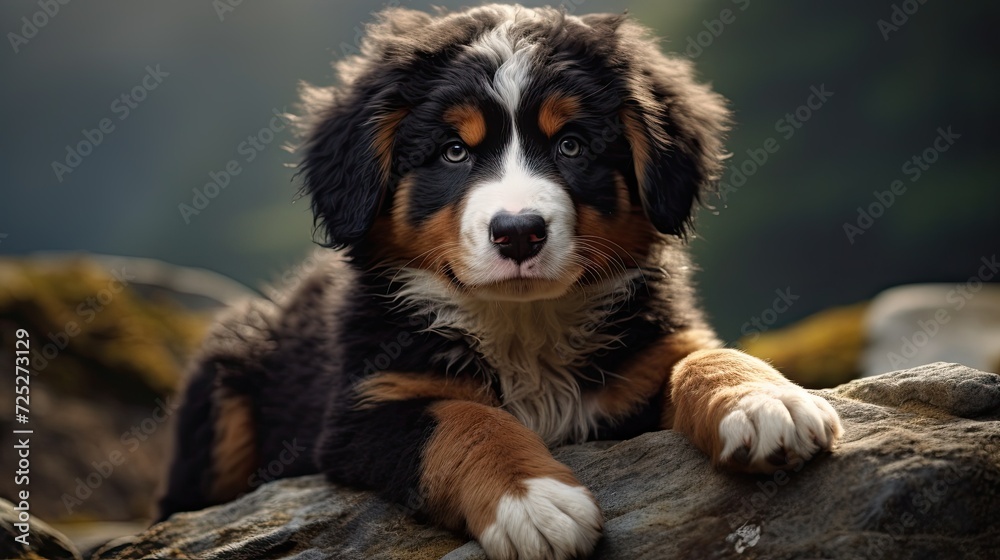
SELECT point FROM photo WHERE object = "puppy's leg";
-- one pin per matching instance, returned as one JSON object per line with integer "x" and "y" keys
{"x": 214, "y": 444}
{"x": 483, "y": 468}
{"x": 215, "y": 433}
{"x": 187, "y": 478}
{"x": 745, "y": 415}
{"x": 467, "y": 466}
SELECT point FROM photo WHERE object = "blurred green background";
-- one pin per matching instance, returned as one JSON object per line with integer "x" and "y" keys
{"x": 228, "y": 68}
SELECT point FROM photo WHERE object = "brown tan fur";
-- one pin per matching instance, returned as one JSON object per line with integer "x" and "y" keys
{"x": 477, "y": 455}
{"x": 639, "y": 140}
{"x": 431, "y": 245}
{"x": 392, "y": 386}
{"x": 385, "y": 134}
{"x": 469, "y": 122}
{"x": 705, "y": 386}
{"x": 609, "y": 242}
{"x": 445, "y": 434}
{"x": 234, "y": 452}
{"x": 555, "y": 112}
{"x": 649, "y": 372}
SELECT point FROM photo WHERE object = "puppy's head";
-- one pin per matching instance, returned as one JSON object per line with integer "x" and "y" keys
{"x": 513, "y": 152}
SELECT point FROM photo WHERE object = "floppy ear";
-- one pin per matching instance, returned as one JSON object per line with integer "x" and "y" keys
{"x": 347, "y": 165}
{"x": 349, "y": 131}
{"x": 675, "y": 127}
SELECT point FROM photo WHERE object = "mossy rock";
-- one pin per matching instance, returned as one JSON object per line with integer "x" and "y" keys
{"x": 44, "y": 542}
{"x": 91, "y": 333}
{"x": 109, "y": 338}
{"x": 820, "y": 351}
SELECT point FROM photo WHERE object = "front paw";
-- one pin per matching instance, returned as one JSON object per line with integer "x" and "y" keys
{"x": 770, "y": 427}
{"x": 548, "y": 520}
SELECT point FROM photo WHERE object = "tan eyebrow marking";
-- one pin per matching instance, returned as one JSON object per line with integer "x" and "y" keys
{"x": 556, "y": 111}
{"x": 469, "y": 122}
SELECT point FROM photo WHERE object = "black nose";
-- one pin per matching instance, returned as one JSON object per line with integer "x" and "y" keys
{"x": 518, "y": 236}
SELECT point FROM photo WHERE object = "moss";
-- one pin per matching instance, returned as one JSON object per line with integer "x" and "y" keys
{"x": 822, "y": 350}
{"x": 91, "y": 335}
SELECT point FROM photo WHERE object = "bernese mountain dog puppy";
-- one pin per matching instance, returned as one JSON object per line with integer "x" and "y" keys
{"x": 506, "y": 192}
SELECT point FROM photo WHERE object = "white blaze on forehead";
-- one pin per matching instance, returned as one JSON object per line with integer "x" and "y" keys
{"x": 512, "y": 78}
{"x": 515, "y": 187}
{"x": 513, "y": 59}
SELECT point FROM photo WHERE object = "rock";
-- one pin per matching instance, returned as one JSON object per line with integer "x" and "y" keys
{"x": 99, "y": 328}
{"x": 109, "y": 337}
{"x": 924, "y": 323}
{"x": 88, "y": 536}
{"x": 917, "y": 475}
{"x": 901, "y": 327}
{"x": 44, "y": 542}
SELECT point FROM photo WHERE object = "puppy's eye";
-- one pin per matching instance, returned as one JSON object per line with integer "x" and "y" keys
{"x": 455, "y": 152}
{"x": 570, "y": 147}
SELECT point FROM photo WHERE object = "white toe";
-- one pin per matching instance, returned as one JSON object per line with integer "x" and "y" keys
{"x": 774, "y": 421}
{"x": 551, "y": 520}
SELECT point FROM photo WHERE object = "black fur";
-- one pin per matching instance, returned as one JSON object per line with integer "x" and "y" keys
{"x": 340, "y": 170}
{"x": 298, "y": 358}
{"x": 407, "y": 63}
{"x": 683, "y": 120}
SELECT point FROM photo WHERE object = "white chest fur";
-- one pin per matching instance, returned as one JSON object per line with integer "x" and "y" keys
{"x": 537, "y": 350}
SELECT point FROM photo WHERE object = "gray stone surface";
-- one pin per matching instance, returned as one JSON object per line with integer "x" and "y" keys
{"x": 917, "y": 475}
{"x": 924, "y": 323}
{"x": 43, "y": 541}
